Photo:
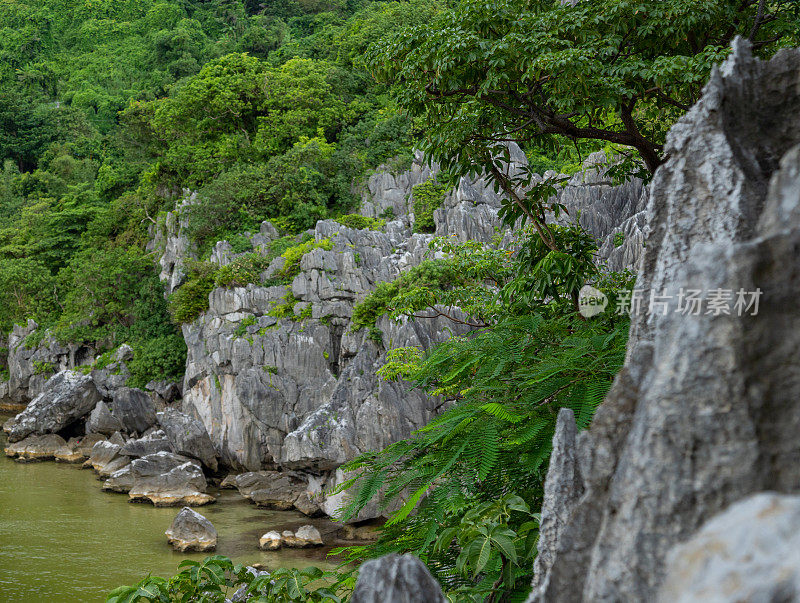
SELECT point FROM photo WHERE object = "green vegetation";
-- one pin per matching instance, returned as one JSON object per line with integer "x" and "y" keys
{"x": 427, "y": 196}
{"x": 360, "y": 222}
{"x": 531, "y": 354}
{"x": 109, "y": 110}
{"x": 216, "y": 578}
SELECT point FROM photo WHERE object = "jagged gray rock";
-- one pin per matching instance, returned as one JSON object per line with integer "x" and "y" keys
{"x": 188, "y": 436}
{"x": 105, "y": 458}
{"x": 396, "y": 579}
{"x": 102, "y": 421}
{"x": 151, "y": 443}
{"x": 190, "y": 531}
{"x": 67, "y": 397}
{"x": 273, "y": 489}
{"x": 168, "y": 480}
{"x": 705, "y": 410}
{"x": 749, "y": 552}
{"x": 134, "y": 409}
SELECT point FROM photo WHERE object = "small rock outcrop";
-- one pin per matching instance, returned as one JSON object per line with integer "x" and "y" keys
{"x": 705, "y": 410}
{"x": 396, "y": 579}
{"x": 190, "y": 531}
{"x": 749, "y": 552}
{"x": 279, "y": 490}
{"x": 271, "y": 541}
{"x": 304, "y": 537}
{"x": 67, "y": 397}
{"x": 166, "y": 479}
{"x": 38, "y": 448}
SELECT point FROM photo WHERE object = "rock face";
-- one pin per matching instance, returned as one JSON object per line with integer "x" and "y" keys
{"x": 749, "y": 552}
{"x": 705, "y": 410}
{"x": 396, "y": 579}
{"x": 190, "y": 531}
{"x": 302, "y": 394}
{"x": 134, "y": 409}
{"x": 102, "y": 421}
{"x": 68, "y": 396}
{"x": 188, "y": 436}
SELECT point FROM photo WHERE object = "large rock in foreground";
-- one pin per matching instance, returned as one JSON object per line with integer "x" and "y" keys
{"x": 396, "y": 579}
{"x": 190, "y": 531}
{"x": 67, "y": 397}
{"x": 706, "y": 409}
{"x": 750, "y": 552}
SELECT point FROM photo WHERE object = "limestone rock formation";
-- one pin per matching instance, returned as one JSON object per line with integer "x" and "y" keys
{"x": 749, "y": 552}
{"x": 188, "y": 436}
{"x": 102, "y": 421}
{"x": 134, "y": 409}
{"x": 396, "y": 579}
{"x": 67, "y": 397}
{"x": 105, "y": 458}
{"x": 705, "y": 410}
{"x": 271, "y": 541}
{"x": 167, "y": 480}
{"x": 190, "y": 531}
{"x": 304, "y": 537}
{"x": 38, "y": 448}
{"x": 155, "y": 441}
{"x": 273, "y": 489}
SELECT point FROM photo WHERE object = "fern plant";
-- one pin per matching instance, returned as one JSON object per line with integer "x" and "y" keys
{"x": 469, "y": 484}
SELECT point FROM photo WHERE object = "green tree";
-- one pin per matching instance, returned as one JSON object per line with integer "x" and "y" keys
{"x": 544, "y": 72}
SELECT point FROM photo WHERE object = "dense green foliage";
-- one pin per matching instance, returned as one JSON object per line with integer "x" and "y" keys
{"x": 428, "y": 196}
{"x": 108, "y": 110}
{"x": 216, "y": 578}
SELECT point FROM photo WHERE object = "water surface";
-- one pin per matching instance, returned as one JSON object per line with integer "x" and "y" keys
{"x": 64, "y": 540}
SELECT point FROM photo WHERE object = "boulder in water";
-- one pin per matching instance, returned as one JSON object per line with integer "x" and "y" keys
{"x": 190, "y": 531}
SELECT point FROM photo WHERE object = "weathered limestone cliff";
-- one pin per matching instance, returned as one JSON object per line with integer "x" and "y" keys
{"x": 303, "y": 393}
{"x": 705, "y": 411}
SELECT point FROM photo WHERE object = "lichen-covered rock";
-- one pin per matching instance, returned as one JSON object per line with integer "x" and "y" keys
{"x": 749, "y": 552}
{"x": 134, "y": 409}
{"x": 38, "y": 448}
{"x": 188, "y": 436}
{"x": 190, "y": 531}
{"x": 396, "y": 579}
{"x": 67, "y": 397}
{"x": 167, "y": 480}
{"x": 706, "y": 409}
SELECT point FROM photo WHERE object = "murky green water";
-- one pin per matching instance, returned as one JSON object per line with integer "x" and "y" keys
{"x": 63, "y": 540}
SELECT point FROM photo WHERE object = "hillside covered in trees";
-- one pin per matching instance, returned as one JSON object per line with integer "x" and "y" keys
{"x": 455, "y": 172}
